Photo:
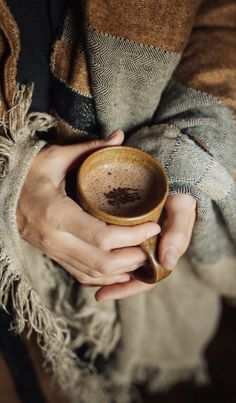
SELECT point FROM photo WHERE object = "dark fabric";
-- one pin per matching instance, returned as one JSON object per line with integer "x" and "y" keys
{"x": 19, "y": 364}
{"x": 37, "y": 21}
{"x": 73, "y": 107}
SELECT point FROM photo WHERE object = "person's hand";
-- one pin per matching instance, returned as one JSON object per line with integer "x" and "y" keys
{"x": 175, "y": 238}
{"x": 90, "y": 250}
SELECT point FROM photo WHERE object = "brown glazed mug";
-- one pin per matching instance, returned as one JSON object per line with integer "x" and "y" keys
{"x": 103, "y": 160}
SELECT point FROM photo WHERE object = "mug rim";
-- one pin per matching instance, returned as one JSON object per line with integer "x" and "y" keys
{"x": 115, "y": 219}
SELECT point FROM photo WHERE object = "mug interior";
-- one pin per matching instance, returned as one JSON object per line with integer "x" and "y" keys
{"x": 121, "y": 173}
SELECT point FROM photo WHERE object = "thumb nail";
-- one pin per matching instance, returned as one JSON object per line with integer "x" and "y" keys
{"x": 171, "y": 257}
{"x": 113, "y": 135}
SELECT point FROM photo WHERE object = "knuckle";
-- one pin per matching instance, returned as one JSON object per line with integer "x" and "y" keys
{"x": 101, "y": 240}
{"x": 189, "y": 202}
{"x": 105, "y": 281}
{"x": 52, "y": 150}
{"x": 109, "y": 263}
{"x": 181, "y": 202}
{"x": 49, "y": 214}
{"x": 52, "y": 154}
{"x": 106, "y": 268}
{"x": 94, "y": 274}
{"x": 82, "y": 278}
{"x": 46, "y": 242}
{"x": 181, "y": 238}
{"x": 93, "y": 143}
{"x": 103, "y": 267}
{"x": 99, "y": 267}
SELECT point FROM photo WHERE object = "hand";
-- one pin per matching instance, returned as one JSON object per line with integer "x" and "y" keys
{"x": 90, "y": 250}
{"x": 175, "y": 238}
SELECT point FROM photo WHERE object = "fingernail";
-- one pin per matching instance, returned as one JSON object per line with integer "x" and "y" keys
{"x": 171, "y": 257}
{"x": 154, "y": 231}
{"x": 99, "y": 299}
{"x": 112, "y": 135}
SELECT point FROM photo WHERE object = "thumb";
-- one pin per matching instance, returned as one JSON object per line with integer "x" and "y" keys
{"x": 69, "y": 156}
{"x": 177, "y": 230}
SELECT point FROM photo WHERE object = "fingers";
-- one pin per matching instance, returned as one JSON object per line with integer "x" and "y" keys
{"x": 97, "y": 233}
{"x": 64, "y": 157}
{"x": 119, "y": 291}
{"x": 125, "y": 260}
{"x": 76, "y": 221}
{"x": 177, "y": 229}
{"x": 77, "y": 253}
{"x": 84, "y": 278}
{"x": 176, "y": 235}
{"x": 114, "y": 236}
{"x": 72, "y": 152}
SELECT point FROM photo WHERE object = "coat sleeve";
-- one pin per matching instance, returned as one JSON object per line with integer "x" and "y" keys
{"x": 194, "y": 131}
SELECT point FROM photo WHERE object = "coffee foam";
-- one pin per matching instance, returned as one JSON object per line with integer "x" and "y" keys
{"x": 126, "y": 190}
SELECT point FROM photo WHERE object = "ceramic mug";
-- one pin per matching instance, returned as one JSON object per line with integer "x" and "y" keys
{"x": 117, "y": 156}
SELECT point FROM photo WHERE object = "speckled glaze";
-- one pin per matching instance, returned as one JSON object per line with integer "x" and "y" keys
{"x": 152, "y": 272}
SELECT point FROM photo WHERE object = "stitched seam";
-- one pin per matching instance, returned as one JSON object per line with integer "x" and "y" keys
{"x": 131, "y": 42}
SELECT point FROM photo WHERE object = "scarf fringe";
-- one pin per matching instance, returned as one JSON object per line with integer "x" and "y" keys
{"x": 95, "y": 325}
{"x": 89, "y": 323}
{"x": 17, "y": 123}
{"x": 16, "y": 291}
{"x": 76, "y": 378}
{"x": 98, "y": 330}
{"x": 30, "y": 314}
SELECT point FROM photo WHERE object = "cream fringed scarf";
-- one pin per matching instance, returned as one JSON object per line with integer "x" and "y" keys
{"x": 132, "y": 74}
{"x": 160, "y": 336}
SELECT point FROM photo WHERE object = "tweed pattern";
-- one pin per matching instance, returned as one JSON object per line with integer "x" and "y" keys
{"x": 196, "y": 133}
{"x": 127, "y": 79}
{"x": 77, "y": 78}
{"x": 72, "y": 101}
{"x": 204, "y": 178}
{"x": 69, "y": 44}
{"x": 203, "y": 118}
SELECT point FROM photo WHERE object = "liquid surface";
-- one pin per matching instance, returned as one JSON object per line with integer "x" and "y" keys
{"x": 125, "y": 190}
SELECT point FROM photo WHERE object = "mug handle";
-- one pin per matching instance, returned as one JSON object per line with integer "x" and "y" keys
{"x": 152, "y": 271}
